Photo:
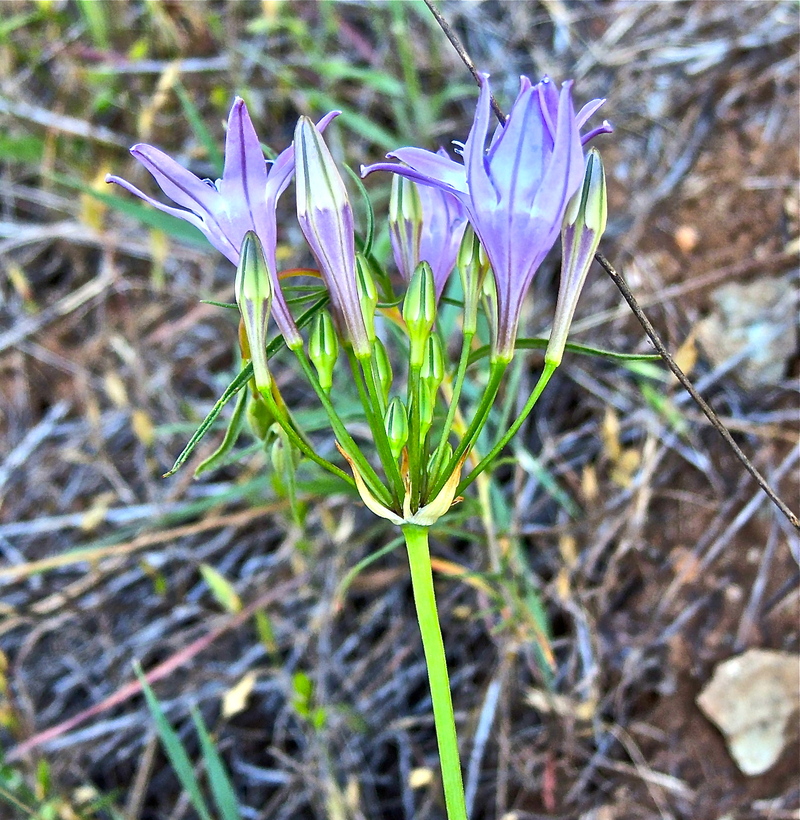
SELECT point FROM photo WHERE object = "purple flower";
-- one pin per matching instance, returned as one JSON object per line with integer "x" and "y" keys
{"x": 427, "y": 225}
{"x": 244, "y": 199}
{"x": 516, "y": 192}
{"x": 326, "y": 219}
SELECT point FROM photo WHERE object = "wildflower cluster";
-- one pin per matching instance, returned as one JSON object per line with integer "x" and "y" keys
{"x": 493, "y": 217}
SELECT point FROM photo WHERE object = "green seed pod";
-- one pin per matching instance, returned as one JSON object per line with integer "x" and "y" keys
{"x": 323, "y": 348}
{"x": 471, "y": 272}
{"x": 419, "y": 311}
{"x": 396, "y": 423}
{"x": 405, "y": 223}
{"x": 383, "y": 368}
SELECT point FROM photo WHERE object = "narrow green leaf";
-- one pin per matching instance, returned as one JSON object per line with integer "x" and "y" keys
{"x": 231, "y": 435}
{"x": 585, "y": 350}
{"x": 218, "y": 777}
{"x": 236, "y": 385}
{"x": 176, "y": 753}
{"x": 244, "y": 375}
{"x": 370, "y": 235}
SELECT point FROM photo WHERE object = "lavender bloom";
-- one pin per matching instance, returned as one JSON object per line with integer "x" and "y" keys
{"x": 515, "y": 193}
{"x": 326, "y": 219}
{"x": 428, "y": 226}
{"x": 244, "y": 199}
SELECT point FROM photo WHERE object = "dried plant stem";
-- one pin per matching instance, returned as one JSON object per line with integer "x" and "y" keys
{"x": 690, "y": 389}
{"x": 419, "y": 560}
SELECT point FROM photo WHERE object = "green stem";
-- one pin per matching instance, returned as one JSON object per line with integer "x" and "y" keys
{"x": 419, "y": 560}
{"x": 287, "y": 424}
{"x": 475, "y": 427}
{"x": 549, "y": 369}
{"x": 345, "y": 439}
{"x": 458, "y": 385}
{"x": 415, "y": 463}
{"x": 370, "y": 395}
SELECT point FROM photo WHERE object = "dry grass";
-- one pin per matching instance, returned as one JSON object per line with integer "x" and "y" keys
{"x": 620, "y": 510}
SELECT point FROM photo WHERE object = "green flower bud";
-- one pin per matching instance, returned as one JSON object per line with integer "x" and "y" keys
{"x": 396, "y": 423}
{"x": 367, "y": 294}
{"x": 253, "y": 288}
{"x": 432, "y": 371}
{"x": 419, "y": 311}
{"x": 383, "y": 368}
{"x": 472, "y": 266}
{"x": 427, "y": 403}
{"x": 584, "y": 223}
{"x": 447, "y": 455}
{"x": 259, "y": 417}
{"x": 323, "y": 348}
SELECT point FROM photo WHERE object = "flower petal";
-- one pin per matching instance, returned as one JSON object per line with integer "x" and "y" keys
{"x": 216, "y": 239}
{"x": 244, "y": 179}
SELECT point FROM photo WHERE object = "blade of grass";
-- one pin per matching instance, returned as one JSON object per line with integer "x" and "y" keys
{"x": 221, "y": 787}
{"x": 178, "y": 758}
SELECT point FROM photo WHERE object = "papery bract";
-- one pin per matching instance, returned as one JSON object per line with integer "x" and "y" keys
{"x": 515, "y": 193}
{"x": 243, "y": 200}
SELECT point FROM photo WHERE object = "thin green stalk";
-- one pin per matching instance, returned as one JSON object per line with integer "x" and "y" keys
{"x": 345, "y": 439}
{"x": 373, "y": 401}
{"x": 549, "y": 369}
{"x": 283, "y": 418}
{"x": 415, "y": 462}
{"x": 498, "y": 368}
{"x": 466, "y": 344}
{"x": 375, "y": 422}
{"x": 419, "y": 561}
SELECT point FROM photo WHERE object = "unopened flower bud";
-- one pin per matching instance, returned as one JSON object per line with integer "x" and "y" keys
{"x": 405, "y": 224}
{"x": 323, "y": 348}
{"x": 259, "y": 417}
{"x": 383, "y": 368}
{"x": 432, "y": 370}
{"x": 326, "y": 219}
{"x": 367, "y": 293}
{"x": 427, "y": 403}
{"x": 396, "y": 423}
{"x": 419, "y": 311}
{"x": 471, "y": 271}
{"x": 584, "y": 223}
{"x": 254, "y": 296}
{"x": 445, "y": 459}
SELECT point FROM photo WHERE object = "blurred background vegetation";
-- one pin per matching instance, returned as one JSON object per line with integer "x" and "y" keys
{"x": 634, "y": 555}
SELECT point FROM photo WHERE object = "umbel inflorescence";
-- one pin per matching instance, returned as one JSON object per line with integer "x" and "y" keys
{"x": 493, "y": 215}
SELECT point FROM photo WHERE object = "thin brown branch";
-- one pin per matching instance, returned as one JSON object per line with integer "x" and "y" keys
{"x": 690, "y": 389}
{"x": 462, "y": 53}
